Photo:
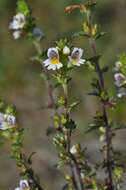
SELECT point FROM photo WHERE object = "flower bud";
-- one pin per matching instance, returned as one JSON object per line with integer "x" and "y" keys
{"x": 102, "y": 129}
{"x": 82, "y": 175}
{"x": 102, "y": 138}
{"x": 74, "y": 149}
{"x": 38, "y": 33}
{"x": 66, "y": 50}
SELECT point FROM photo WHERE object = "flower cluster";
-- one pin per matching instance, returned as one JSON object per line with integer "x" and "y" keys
{"x": 23, "y": 23}
{"x": 23, "y": 185}
{"x": 53, "y": 61}
{"x": 17, "y": 24}
{"x": 120, "y": 76}
{"x": 7, "y": 121}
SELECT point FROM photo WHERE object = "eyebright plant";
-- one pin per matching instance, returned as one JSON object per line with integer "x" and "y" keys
{"x": 58, "y": 63}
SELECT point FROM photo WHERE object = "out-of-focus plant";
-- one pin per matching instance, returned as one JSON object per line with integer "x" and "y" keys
{"x": 10, "y": 131}
{"x": 120, "y": 75}
{"x": 111, "y": 164}
{"x": 23, "y": 25}
{"x": 58, "y": 62}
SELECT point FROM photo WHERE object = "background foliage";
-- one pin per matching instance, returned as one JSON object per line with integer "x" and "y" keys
{"x": 21, "y": 84}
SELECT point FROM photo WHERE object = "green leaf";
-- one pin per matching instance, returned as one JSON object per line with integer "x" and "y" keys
{"x": 73, "y": 105}
{"x": 50, "y": 131}
{"x": 100, "y": 34}
{"x": 11, "y": 109}
{"x": 93, "y": 93}
{"x": 91, "y": 128}
{"x": 22, "y": 7}
{"x": 2, "y": 106}
{"x": 91, "y": 4}
{"x": 104, "y": 95}
{"x": 95, "y": 85}
{"x": 94, "y": 59}
{"x": 80, "y": 33}
{"x": 65, "y": 187}
{"x": 117, "y": 126}
{"x": 122, "y": 60}
{"x": 70, "y": 125}
{"x": 105, "y": 69}
{"x": 30, "y": 157}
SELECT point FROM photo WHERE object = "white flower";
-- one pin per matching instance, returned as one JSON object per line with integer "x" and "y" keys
{"x": 23, "y": 185}
{"x": 118, "y": 64}
{"x": 17, "y": 34}
{"x": 75, "y": 57}
{"x": 19, "y": 20}
{"x": 117, "y": 67}
{"x": 121, "y": 92}
{"x": 7, "y": 121}
{"x": 82, "y": 175}
{"x": 73, "y": 149}
{"x": 53, "y": 59}
{"x": 120, "y": 79}
{"x": 66, "y": 50}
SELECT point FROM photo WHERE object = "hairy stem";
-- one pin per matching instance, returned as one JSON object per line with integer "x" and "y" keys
{"x": 75, "y": 170}
{"x": 106, "y": 120}
{"x": 32, "y": 178}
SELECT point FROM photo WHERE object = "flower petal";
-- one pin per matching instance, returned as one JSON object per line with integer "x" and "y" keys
{"x": 121, "y": 92}
{"x": 52, "y": 52}
{"x": 17, "y": 34}
{"x": 77, "y": 53}
{"x": 46, "y": 62}
{"x": 120, "y": 79}
{"x": 24, "y": 184}
{"x": 10, "y": 119}
{"x": 59, "y": 65}
{"x": 18, "y": 22}
{"x": 119, "y": 76}
{"x": 82, "y": 61}
{"x": 51, "y": 66}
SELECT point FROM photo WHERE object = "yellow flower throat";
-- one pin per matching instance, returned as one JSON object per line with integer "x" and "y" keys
{"x": 54, "y": 60}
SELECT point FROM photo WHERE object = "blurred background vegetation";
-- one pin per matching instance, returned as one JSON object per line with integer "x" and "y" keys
{"x": 21, "y": 84}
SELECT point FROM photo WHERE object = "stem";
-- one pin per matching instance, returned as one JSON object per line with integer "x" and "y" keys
{"x": 31, "y": 177}
{"x": 75, "y": 170}
{"x": 25, "y": 168}
{"x": 77, "y": 173}
{"x": 37, "y": 46}
{"x": 106, "y": 120}
{"x": 51, "y": 102}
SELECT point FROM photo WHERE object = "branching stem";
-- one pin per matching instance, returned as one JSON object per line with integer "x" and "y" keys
{"x": 106, "y": 121}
